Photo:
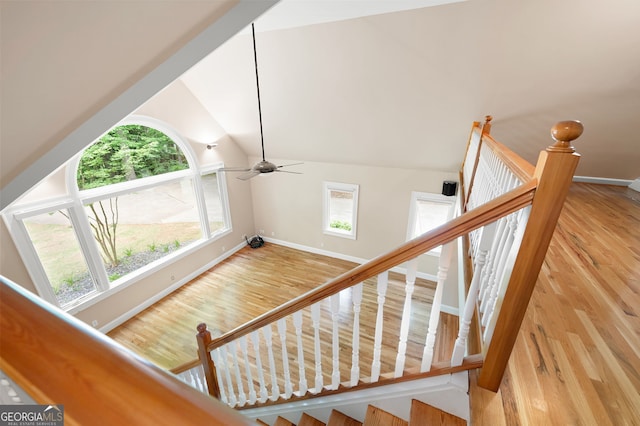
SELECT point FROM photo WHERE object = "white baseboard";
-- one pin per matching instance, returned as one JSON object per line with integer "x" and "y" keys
{"x": 147, "y": 303}
{"x": 635, "y": 185}
{"x": 447, "y": 392}
{"x": 602, "y": 181}
{"x": 452, "y": 310}
{"x": 341, "y": 256}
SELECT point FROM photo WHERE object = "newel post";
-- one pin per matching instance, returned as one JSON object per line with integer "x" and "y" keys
{"x": 204, "y": 338}
{"x": 554, "y": 172}
{"x": 486, "y": 127}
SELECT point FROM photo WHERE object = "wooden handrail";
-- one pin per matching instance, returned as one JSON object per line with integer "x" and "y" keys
{"x": 57, "y": 359}
{"x": 473, "y": 219}
{"x": 186, "y": 366}
{"x": 521, "y": 168}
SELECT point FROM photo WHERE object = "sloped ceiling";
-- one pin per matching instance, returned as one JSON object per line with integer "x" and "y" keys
{"x": 401, "y": 89}
{"x": 72, "y": 69}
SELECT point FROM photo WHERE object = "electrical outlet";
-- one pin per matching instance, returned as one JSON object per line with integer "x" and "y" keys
{"x": 222, "y": 249}
{"x": 94, "y": 323}
{"x": 273, "y": 234}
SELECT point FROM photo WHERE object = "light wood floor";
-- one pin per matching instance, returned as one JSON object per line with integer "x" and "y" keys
{"x": 576, "y": 360}
{"x": 577, "y": 357}
{"x": 253, "y": 281}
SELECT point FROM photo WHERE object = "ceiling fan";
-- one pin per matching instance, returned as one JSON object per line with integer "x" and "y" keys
{"x": 263, "y": 166}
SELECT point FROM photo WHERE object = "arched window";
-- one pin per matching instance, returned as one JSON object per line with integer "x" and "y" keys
{"x": 136, "y": 198}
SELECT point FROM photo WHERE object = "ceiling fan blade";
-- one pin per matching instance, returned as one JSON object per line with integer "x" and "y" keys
{"x": 287, "y": 171}
{"x": 249, "y": 175}
{"x": 287, "y": 165}
{"x": 234, "y": 169}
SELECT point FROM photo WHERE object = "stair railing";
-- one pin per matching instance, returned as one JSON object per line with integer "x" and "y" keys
{"x": 510, "y": 211}
{"x": 57, "y": 359}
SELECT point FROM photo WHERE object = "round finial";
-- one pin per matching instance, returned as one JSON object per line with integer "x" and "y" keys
{"x": 486, "y": 127}
{"x": 202, "y": 327}
{"x": 563, "y": 133}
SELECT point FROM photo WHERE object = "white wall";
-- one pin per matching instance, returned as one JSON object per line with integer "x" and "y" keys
{"x": 289, "y": 207}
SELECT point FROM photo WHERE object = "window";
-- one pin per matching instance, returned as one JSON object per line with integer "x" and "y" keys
{"x": 216, "y": 201}
{"x": 340, "y": 209}
{"x": 60, "y": 255}
{"x": 428, "y": 211}
{"x": 136, "y": 197}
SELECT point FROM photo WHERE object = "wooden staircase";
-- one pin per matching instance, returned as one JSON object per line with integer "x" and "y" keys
{"x": 421, "y": 415}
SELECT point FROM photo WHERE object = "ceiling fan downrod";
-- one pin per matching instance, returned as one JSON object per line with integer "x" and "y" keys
{"x": 255, "y": 60}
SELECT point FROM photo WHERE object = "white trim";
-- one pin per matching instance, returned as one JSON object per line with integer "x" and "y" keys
{"x": 38, "y": 207}
{"x": 348, "y": 258}
{"x": 635, "y": 185}
{"x": 431, "y": 197}
{"x": 452, "y": 310}
{"x": 352, "y": 188}
{"x": 602, "y": 181}
{"x": 147, "y": 303}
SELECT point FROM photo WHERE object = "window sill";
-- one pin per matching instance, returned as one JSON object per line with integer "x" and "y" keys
{"x": 345, "y": 234}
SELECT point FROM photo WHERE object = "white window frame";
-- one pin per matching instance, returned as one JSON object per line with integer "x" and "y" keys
{"x": 74, "y": 203}
{"x": 413, "y": 211}
{"x": 327, "y": 187}
{"x": 224, "y": 200}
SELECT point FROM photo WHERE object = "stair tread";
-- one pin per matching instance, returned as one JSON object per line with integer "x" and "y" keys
{"x": 340, "y": 419}
{"x": 377, "y": 417}
{"x": 281, "y": 421}
{"x": 307, "y": 420}
{"x": 422, "y": 413}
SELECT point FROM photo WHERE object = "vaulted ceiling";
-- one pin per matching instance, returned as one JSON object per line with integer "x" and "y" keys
{"x": 400, "y": 89}
{"x": 390, "y": 88}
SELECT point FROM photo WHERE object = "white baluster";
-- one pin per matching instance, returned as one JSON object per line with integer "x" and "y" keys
{"x": 255, "y": 340}
{"x": 460, "y": 346}
{"x": 523, "y": 217}
{"x": 199, "y": 380}
{"x": 282, "y": 330}
{"x": 335, "y": 310}
{"x": 220, "y": 369}
{"x": 497, "y": 279}
{"x": 187, "y": 377}
{"x": 297, "y": 323}
{"x": 275, "y": 389}
{"x": 315, "y": 318}
{"x": 247, "y": 367}
{"x": 434, "y": 316}
{"x": 412, "y": 266}
{"x": 493, "y": 258}
{"x": 356, "y": 295}
{"x": 192, "y": 379}
{"x": 383, "y": 280}
{"x": 225, "y": 361}
{"x": 242, "y": 398}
